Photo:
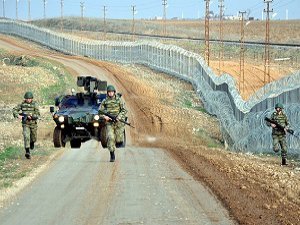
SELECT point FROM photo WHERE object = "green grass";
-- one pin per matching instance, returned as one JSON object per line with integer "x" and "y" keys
{"x": 210, "y": 142}
{"x": 10, "y": 153}
{"x": 7, "y": 165}
{"x": 13, "y": 166}
{"x": 64, "y": 81}
{"x": 18, "y": 60}
{"x": 189, "y": 100}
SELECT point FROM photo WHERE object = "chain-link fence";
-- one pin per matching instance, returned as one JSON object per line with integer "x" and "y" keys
{"x": 242, "y": 122}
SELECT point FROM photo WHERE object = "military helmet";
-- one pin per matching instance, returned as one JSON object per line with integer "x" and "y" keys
{"x": 279, "y": 105}
{"x": 111, "y": 88}
{"x": 28, "y": 95}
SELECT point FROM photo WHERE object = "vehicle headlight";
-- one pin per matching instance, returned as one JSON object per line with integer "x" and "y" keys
{"x": 96, "y": 124}
{"x": 61, "y": 119}
{"x": 96, "y": 117}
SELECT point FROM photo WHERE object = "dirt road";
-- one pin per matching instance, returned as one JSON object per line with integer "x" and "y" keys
{"x": 144, "y": 185}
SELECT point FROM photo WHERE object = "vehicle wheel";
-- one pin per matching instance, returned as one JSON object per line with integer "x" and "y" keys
{"x": 122, "y": 144}
{"x": 75, "y": 143}
{"x": 103, "y": 137}
{"x": 58, "y": 138}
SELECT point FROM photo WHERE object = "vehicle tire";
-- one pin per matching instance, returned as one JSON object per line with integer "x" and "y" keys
{"x": 58, "y": 138}
{"x": 75, "y": 143}
{"x": 122, "y": 144}
{"x": 103, "y": 137}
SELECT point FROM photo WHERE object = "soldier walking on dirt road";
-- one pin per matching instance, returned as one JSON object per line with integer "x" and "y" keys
{"x": 115, "y": 107}
{"x": 28, "y": 112}
{"x": 279, "y": 135}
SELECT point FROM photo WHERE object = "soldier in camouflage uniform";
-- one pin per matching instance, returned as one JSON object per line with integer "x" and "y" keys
{"x": 279, "y": 135}
{"x": 28, "y": 112}
{"x": 114, "y": 106}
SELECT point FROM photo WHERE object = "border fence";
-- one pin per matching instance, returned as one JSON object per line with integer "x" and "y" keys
{"x": 242, "y": 122}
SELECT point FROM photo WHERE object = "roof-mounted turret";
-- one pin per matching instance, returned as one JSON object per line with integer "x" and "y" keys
{"x": 91, "y": 84}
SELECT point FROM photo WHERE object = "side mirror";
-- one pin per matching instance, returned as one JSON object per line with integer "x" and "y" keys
{"x": 52, "y": 109}
{"x": 57, "y": 101}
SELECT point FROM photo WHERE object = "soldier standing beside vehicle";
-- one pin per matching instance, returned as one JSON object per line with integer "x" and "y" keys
{"x": 28, "y": 112}
{"x": 115, "y": 107}
{"x": 279, "y": 135}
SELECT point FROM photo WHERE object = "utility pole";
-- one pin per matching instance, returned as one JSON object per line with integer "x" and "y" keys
{"x": 45, "y": 2}
{"x": 61, "y": 15}
{"x": 164, "y": 3}
{"x": 29, "y": 16}
{"x": 133, "y": 22}
{"x": 3, "y": 5}
{"x": 242, "y": 53}
{"x": 221, "y": 43}
{"x": 267, "y": 42}
{"x": 81, "y": 21}
{"x": 17, "y": 1}
{"x": 207, "y": 51}
{"x": 104, "y": 21}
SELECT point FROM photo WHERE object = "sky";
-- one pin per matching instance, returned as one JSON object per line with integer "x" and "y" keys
{"x": 121, "y": 9}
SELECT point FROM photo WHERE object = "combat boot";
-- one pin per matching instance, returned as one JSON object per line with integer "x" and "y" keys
{"x": 283, "y": 162}
{"x": 31, "y": 145}
{"x": 27, "y": 154}
{"x": 112, "y": 156}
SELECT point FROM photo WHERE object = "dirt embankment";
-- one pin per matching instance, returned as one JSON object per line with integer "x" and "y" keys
{"x": 255, "y": 189}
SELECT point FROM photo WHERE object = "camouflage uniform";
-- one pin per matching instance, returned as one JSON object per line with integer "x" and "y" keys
{"x": 29, "y": 126}
{"x": 279, "y": 135}
{"x": 115, "y": 130}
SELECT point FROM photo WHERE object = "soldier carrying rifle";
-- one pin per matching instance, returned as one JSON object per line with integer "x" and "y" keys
{"x": 113, "y": 111}
{"x": 280, "y": 126}
{"x": 28, "y": 112}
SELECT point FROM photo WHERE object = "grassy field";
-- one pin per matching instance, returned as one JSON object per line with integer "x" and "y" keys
{"x": 255, "y": 31}
{"x": 20, "y": 73}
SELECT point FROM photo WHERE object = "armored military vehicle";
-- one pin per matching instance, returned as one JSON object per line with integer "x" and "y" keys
{"x": 77, "y": 118}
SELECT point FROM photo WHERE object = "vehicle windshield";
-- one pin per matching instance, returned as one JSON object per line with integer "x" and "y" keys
{"x": 78, "y": 102}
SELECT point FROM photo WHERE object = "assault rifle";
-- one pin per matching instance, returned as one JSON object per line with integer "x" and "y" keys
{"x": 25, "y": 117}
{"x": 114, "y": 118}
{"x": 280, "y": 127}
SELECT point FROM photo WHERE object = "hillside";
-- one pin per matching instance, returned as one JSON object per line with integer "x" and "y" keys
{"x": 255, "y": 31}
